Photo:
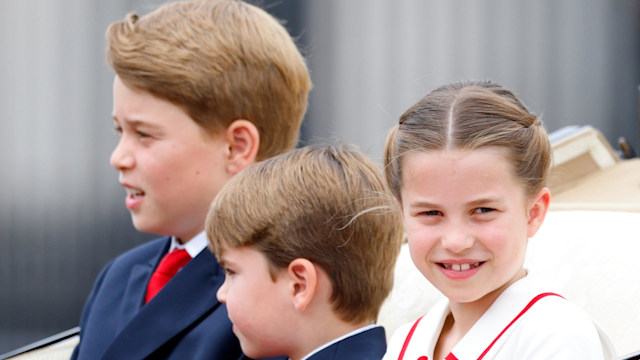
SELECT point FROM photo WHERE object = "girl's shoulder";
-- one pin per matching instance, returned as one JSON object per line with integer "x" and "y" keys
{"x": 557, "y": 314}
{"x": 556, "y": 328}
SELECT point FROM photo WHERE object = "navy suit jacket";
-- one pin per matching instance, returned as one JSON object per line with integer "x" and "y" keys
{"x": 183, "y": 321}
{"x": 367, "y": 345}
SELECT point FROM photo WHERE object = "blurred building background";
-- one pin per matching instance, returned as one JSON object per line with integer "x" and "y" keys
{"x": 62, "y": 217}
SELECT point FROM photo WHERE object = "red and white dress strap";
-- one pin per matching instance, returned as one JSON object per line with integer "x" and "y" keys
{"x": 451, "y": 356}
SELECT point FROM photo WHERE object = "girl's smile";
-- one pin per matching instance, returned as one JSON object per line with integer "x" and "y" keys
{"x": 467, "y": 220}
{"x": 460, "y": 269}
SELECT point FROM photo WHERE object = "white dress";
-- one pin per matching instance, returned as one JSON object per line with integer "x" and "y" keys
{"x": 514, "y": 327}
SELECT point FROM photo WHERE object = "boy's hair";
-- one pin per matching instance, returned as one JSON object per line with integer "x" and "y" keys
{"x": 220, "y": 61}
{"x": 467, "y": 116}
{"x": 326, "y": 204}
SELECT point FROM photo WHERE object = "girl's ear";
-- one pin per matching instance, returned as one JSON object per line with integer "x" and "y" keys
{"x": 243, "y": 139}
{"x": 537, "y": 211}
{"x": 303, "y": 282}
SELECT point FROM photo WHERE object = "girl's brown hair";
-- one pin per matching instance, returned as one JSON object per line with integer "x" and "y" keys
{"x": 467, "y": 116}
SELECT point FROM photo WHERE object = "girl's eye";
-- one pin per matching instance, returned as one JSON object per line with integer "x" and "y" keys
{"x": 228, "y": 272}
{"x": 118, "y": 130}
{"x": 483, "y": 210}
{"x": 431, "y": 213}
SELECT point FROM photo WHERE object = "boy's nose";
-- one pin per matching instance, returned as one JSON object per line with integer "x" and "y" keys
{"x": 121, "y": 158}
{"x": 222, "y": 293}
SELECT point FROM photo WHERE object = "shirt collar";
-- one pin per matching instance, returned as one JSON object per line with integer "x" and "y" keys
{"x": 193, "y": 246}
{"x": 500, "y": 314}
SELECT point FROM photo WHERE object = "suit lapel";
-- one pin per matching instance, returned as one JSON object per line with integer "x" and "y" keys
{"x": 135, "y": 292}
{"x": 188, "y": 296}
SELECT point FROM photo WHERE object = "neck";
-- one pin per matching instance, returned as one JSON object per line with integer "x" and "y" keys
{"x": 186, "y": 237}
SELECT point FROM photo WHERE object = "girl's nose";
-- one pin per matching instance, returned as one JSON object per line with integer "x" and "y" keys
{"x": 457, "y": 240}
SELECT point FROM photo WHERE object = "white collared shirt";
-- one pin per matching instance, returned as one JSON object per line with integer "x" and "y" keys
{"x": 193, "y": 246}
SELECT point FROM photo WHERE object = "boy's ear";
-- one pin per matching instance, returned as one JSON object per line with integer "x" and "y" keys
{"x": 538, "y": 210}
{"x": 243, "y": 139}
{"x": 303, "y": 282}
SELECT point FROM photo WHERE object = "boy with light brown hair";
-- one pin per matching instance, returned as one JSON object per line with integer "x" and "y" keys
{"x": 203, "y": 89}
{"x": 308, "y": 241}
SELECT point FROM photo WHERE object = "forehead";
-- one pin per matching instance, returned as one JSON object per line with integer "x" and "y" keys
{"x": 133, "y": 103}
{"x": 475, "y": 172}
{"x": 240, "y": 254}
{"x": 136, "y": 107}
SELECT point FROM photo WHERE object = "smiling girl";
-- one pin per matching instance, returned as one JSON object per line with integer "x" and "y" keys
{"x": 468, "y": 164}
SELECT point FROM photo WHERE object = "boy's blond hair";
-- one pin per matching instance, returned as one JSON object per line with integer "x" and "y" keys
{"x": 327, "y": 204}
{"x": 220, "y": 61}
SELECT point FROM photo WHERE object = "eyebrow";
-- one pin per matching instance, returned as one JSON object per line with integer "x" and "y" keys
{"x": 422, "y": 204}
{"x": 223, "y": 261}
{"x": 483, "y": 201}
{"x": 480, "y": 201}
{"x": 134, "y": 123}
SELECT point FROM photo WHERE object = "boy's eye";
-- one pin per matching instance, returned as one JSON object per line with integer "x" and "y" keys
{"x": 142, "y": 135}
{"x": 228, "y": 272}
{"x": 117, "y": 129}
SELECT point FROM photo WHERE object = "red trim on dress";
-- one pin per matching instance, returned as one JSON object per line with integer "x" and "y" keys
{"x": 408, "y": 338}
{"x": 526, "y": 308}
{"x": 453, "y": 357}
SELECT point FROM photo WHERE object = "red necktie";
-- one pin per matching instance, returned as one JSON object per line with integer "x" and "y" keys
{"x": 168, "y": 267}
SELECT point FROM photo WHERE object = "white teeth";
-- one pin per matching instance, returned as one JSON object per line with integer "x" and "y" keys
{"x": 461, "y": 267}
{"x": 134, "y": 193}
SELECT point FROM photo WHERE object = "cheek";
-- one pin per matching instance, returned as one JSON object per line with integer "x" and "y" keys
{"x": 169, "y": 162}
{"x": 243, "y": 297}
{"x": 159, "y": 171}
{"x": 419, "y": 236}
{"x": 507, "y": 242}
{"x": 237, "y": 307}
{"x": 420, "y": 245}
{"x": 497, "y": 237}
{"x": 412, "y": 228}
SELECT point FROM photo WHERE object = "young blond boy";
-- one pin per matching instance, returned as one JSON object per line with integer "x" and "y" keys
{"x": 308, "y": 241}
{"x": 202, "y": 89}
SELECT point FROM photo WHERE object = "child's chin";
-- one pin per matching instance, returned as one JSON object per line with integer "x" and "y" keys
{"x": 255, "y": 352}
{"x": 142, "y": 224}
{"x": 252, "y": 353}
{"x": 461, "y": 297}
